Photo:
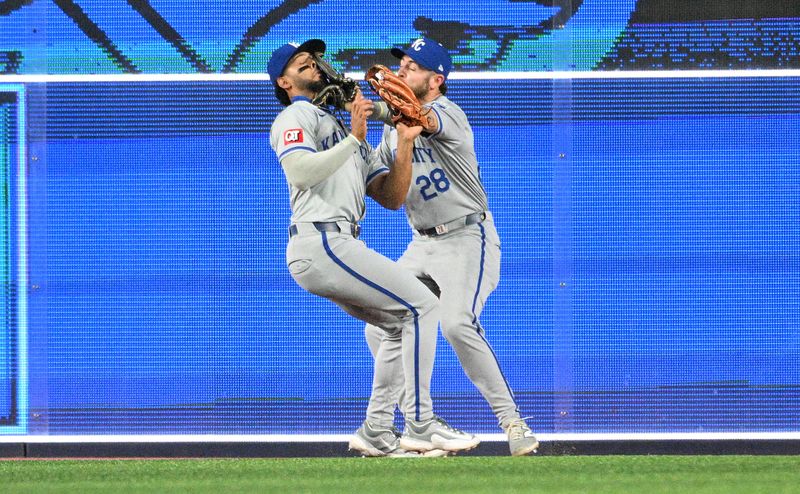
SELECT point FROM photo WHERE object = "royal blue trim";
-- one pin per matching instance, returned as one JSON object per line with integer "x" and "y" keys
{"x": 298, "y": 148}
{"x": 374, "y": 174}
{"x": 480, "y": 275}
{"x": 477, "y": 324}
{"x": 393, "y": 297}
{"x": 300, "y": 98}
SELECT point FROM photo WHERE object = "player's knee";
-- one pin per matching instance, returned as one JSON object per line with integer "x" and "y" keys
{"x": 373, "y": 335}
{"x": 428, "y": 303}
{"x": 455, "y": 324}
{"x": 451, "y": 332}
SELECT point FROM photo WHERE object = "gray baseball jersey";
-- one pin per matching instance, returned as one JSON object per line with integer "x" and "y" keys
{"x": 446, "y": 183}
{"x": 303, "y": 126}
{"x": 455, "y": 249}
{"x": 326, "y": 259}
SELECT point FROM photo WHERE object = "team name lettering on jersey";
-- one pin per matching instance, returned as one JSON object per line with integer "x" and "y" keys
{"x": 292, "y": 136}
{"x": 332, "y": 140}
{"x": 419, "y": 155}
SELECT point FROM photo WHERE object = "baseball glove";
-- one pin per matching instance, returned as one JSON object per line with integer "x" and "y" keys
{"x": 404, "y": 104}
{"x": 338, "y": 89}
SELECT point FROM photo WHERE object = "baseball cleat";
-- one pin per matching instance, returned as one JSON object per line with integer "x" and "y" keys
{"x": 434, "y": 453}
{"x": 371, "y": 440}
{"x": 428, "y": 435}
{"x": 521, "y": 440}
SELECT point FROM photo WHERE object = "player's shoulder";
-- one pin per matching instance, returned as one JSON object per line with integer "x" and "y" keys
{"x": 299, "y": 112}
{"x": 445, "y": 105}
{"x": 450, "y": 115}
{"x": 443, "y": 101}
{"x": 302, "y": 107}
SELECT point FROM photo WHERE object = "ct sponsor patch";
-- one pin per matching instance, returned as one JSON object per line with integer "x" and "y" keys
{"x": 292, "y": 136}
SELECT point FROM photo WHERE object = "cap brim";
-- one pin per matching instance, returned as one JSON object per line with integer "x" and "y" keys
{"x": 398, "y": 53}
{"x": 311, "y": 46}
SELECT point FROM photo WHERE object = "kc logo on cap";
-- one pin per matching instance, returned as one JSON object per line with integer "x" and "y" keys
{"x": 428, "y": 54}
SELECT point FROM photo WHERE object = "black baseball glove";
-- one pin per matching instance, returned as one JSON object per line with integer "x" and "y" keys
{"x": 338, "y": 89}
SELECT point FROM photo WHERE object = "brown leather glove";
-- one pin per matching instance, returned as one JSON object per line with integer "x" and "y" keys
{"x": 404, "y": 104}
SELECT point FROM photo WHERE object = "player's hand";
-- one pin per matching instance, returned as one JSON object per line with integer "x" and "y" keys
{"x": 405, "y": 132}
{"x": 348, "y": 105}
{"x": 360, "y": 109}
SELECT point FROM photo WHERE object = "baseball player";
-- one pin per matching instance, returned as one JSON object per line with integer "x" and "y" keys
{"x": 454, "y": 249}
{"x": 329, "y": 173}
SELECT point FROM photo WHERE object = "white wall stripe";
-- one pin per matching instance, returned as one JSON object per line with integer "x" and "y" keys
{"x": 641, "y": 74}
{"x": 306, "y": 438}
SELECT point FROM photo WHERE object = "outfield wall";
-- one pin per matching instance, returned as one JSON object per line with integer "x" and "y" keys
{"x": 650, "y": 284}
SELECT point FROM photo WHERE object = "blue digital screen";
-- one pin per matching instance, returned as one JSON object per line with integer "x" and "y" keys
{"x": 13, "y": 365}
{"x": 168, "y": 36}
{"x": 650, "y": 281}
{"x": 7, "y": 352}
{"x": 160, "y": 254}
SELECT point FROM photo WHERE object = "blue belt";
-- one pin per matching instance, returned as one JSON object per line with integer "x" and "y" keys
{"x": 328, "y": 226}
{"x": 470, "y": 219}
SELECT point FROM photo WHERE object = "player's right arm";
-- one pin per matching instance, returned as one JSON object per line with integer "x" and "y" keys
{"x": 293, "y": 137}
{"x": 390, "y": 189}
{"x": 306, "y": 169}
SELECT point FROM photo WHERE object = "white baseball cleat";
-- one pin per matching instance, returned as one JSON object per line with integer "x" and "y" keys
{"x": 521, "y": 440}
{"x": 436, "y": 453}
{"x": 371, "y": 440}
{"x": 433, "y": 434}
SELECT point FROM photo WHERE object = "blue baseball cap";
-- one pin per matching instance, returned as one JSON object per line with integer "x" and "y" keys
{"x": 281, "y": 56}
{"x": 429, "y": 54}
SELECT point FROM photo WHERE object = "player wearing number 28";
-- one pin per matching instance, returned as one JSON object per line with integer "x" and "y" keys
{"x": 454, "y": 250}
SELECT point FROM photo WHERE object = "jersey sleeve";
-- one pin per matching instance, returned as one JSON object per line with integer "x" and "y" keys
{"x": 452, "y": 121}
{"x": 295, "y": 129}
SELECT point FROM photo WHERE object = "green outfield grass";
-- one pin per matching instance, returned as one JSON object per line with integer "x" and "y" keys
{"x": 549, "y": 474}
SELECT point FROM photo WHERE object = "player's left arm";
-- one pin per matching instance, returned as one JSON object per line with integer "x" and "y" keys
{"x": 433, "y": 122}
{"x": 390, "y": 189}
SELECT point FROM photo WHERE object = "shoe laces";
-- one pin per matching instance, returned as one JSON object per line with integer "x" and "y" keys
{"x": 517, "y": 428}
{"x": 381, "y": 431}
{"x": 445, "y": 424}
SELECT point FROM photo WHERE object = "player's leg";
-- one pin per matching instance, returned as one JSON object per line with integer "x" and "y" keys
{"x": 412, "y": 260}
{"x": 388, "y": 379}
{"x": 467, "y": 268}
{"x": 377, "y": 435}
{"x": 376, "y": 290}
{"x": 385, "y": 399}
{"x": 430, "y": 436}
